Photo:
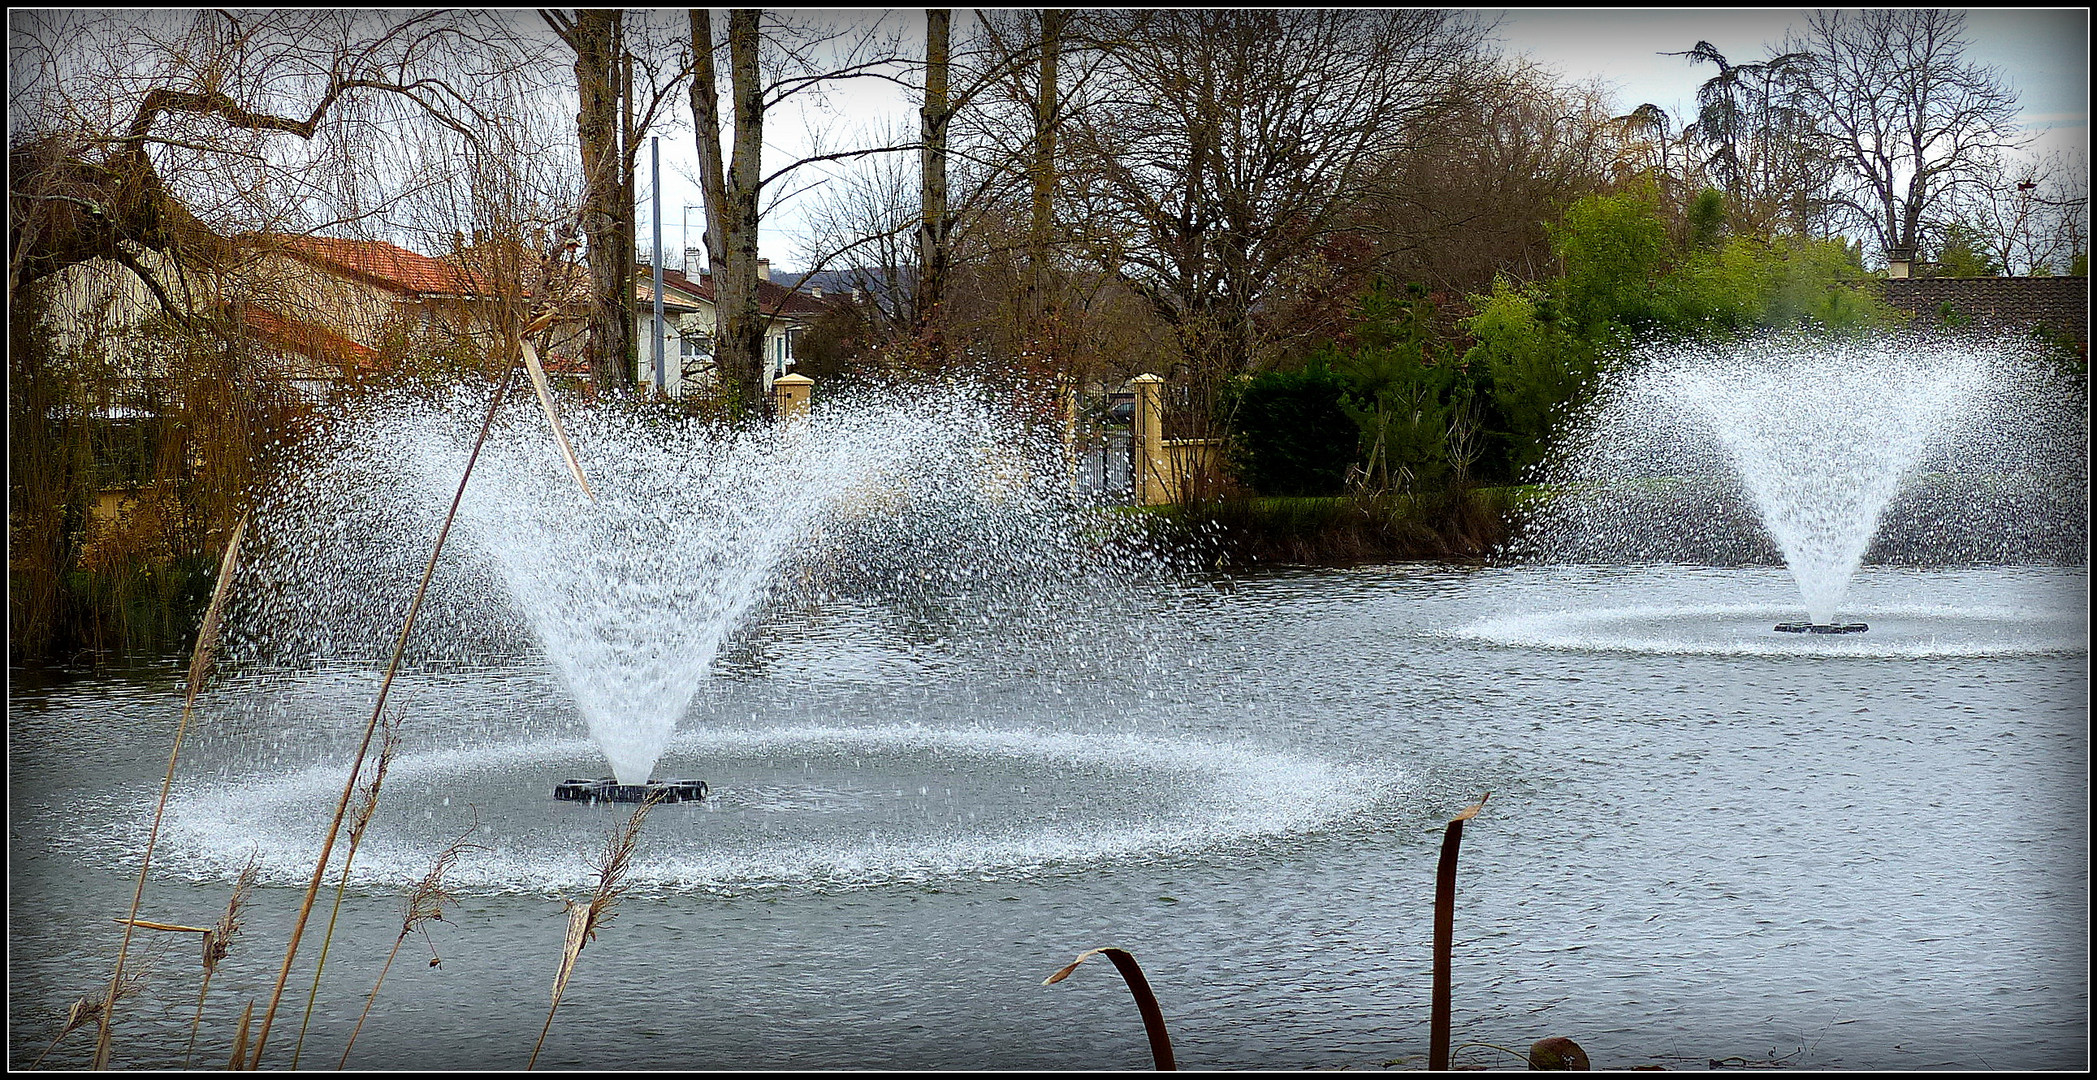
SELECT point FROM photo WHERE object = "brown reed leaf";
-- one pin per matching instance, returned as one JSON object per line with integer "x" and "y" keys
{"x": 1445, "y": 936}
{"x": 560, "y": 434}
{"x": 1139, "y": 988}
{"x": 240, "y": 1040}
{"x": 147, "y": 924}
{"x": 584, "y": 920}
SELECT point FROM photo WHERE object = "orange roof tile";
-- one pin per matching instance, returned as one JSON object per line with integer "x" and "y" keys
{"x": 305, "y": 338}
{"x": 386, "y": 265}
{"x": 776, "y": 299}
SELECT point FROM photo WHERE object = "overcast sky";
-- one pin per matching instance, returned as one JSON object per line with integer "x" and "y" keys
{"x": 2043, "y": 52}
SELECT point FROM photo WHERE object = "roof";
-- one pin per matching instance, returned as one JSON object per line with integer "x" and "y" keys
{"x": 2060, "y": 305}
{"x": 776, "y": 300}
{"x": 305, "y": 338}
{"x": 381, "y": 264}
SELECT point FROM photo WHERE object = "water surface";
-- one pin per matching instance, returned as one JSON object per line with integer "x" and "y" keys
{"x": 1705, "y": 840}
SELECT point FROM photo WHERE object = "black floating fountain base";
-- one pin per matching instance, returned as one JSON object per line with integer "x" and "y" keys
{"x": 611, "y": 790}
{"x": 1821, "y": 628}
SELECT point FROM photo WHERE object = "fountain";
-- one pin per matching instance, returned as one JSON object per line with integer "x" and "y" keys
{"x": 953, "y": 721}
{"x": 631, "y": 595}
{"x": 1818, "y": 453}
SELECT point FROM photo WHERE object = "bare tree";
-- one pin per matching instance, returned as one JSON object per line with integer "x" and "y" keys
{"x": 1755, "y": 122}
{"x": 1909, "y": 121}
{"x": 1467, "y": 199}
{"x": 771, "y": 58}
{"x": 2036, "y": 218}
{"x": 614, "y": 113}
{"x": 1233, "y": 140}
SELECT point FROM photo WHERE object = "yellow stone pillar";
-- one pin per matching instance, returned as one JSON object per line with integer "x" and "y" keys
{"x": 790, "y": 395}
{"x": 1147, "y": 431}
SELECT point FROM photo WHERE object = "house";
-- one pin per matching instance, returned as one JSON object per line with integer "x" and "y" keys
{"x": 369, "y": 291}
{"x": 689, "y": 318}
{"x": 311, "y": 310}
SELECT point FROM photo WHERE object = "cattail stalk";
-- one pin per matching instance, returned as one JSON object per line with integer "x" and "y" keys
{"x": 1445, "y": 937}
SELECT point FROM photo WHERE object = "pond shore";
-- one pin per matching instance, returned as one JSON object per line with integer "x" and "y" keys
{"x": 1237, "y": 534}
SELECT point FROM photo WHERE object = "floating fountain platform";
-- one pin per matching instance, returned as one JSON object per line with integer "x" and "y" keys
{"x": 1821, "y": 628}
{"x": 611, "y": 790}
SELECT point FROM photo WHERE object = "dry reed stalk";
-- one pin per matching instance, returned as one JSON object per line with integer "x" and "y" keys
{"x": 389, "y": 744}
{"x": 218, "y": 941}
{"x": 400, "y": 646}
{"x": 584, "y": 920}
{"x": 1445, "y": 936}
{"x": 93, "y": 1010}
{"x": 240, "y": 1040}
{"x": 560, "y": 434}
{"x": 199, "y": 665}
{"x": 425, "y": 903}
{"x": 1146, "y": 1002}
{"x": 148, "y": 924}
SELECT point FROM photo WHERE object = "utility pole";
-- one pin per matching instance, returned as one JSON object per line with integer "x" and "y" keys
{"x": 655, "y": 181}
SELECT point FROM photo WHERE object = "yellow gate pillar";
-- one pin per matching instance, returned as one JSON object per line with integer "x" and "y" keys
{"x": 1147, "y": 431}
{"x": 790, "y": 395}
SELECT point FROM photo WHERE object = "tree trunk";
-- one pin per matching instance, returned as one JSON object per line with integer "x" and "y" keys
{"x": 608, "y": 323}
{"x": 1043, "y": 173}
{"x": 740, "y": 341}
{"x": 731, "y": 202}
{"x": 933, "y": 227}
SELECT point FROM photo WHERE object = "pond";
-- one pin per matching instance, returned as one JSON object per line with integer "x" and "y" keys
{"x": 1704, "y": 840}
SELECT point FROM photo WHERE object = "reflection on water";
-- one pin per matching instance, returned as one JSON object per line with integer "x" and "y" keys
{"x": 1850, "y": 861}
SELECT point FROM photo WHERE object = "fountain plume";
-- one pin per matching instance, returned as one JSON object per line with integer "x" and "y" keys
{"x": 1823, "y": 454}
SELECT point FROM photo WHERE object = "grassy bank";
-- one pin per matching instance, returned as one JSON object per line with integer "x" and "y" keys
{"x": 1238, "y": 533}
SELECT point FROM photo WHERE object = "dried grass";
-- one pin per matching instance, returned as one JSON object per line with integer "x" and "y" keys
{"x": 96, "y": 1009}
{"x": 218, "y": 943}
{"x": 400, "y": 646}
{"x": 389, "y": 745}
{"x": 425, "y": 905}
{"x": 199, "y": 666}
{"x": 584, "y": 920}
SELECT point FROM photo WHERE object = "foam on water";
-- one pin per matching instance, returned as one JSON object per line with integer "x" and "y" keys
{"x": 1898, "y": 631}
{"x": 1208, "y": 796}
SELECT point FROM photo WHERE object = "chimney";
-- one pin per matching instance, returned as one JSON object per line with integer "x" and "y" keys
{"x": 764, "y": 269}
{"x": 1898, "y": 261}
{"x": 694, "y": 262}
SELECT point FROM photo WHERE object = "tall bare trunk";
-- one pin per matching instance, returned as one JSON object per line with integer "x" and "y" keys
{"x": 1043, "y": 173}
{"x": 605, "y": 207}
{"x": 933, "y": 228}
{"x": 742, "y": 332}
{"x": 731, "y": 201}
